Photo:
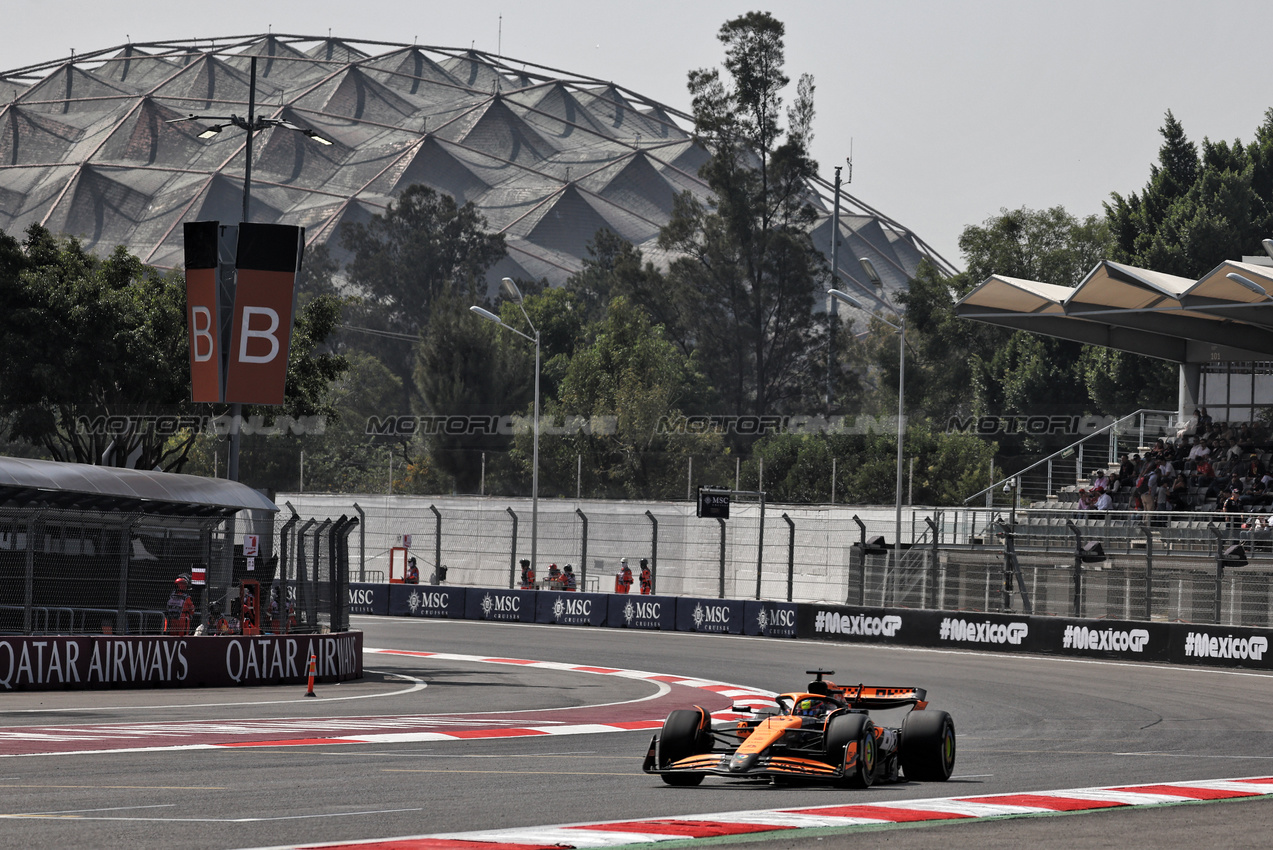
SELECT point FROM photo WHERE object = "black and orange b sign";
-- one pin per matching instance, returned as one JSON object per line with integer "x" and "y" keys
{"x": 250, "y": 367}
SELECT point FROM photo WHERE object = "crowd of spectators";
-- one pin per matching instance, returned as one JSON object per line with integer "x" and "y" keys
{"x": 1212, "y": 466}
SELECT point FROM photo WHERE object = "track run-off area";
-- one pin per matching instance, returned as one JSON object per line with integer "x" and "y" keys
{"x": 482, "y": 735}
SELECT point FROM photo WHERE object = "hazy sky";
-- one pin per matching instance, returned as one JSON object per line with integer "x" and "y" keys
{"x": 955, "y": 109}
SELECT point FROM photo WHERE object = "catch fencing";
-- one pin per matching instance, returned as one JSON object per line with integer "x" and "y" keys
{"x": 1173, "y": 568}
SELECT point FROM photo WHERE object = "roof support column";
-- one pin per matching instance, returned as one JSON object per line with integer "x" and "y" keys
{"x": 1189, "y": 395}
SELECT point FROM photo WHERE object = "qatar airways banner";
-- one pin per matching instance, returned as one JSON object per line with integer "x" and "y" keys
{"x": 106, "y": 661}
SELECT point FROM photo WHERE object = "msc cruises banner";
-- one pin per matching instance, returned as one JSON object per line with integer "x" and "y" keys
{"x": 721, "y": 616}
{"x": 634, "y": 611}
{"x": 52, "y": 662}
{"x": 427, "y": 600}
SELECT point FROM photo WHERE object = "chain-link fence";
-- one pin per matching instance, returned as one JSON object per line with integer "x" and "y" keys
{"x": 1158, "y": 566}
{"x": 94, "y": 572}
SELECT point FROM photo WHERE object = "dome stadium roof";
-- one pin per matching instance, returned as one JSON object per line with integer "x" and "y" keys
{"x": 86, "y": 149}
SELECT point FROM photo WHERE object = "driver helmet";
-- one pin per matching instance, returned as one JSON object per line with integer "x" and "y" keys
{"x": 810, "y": 707}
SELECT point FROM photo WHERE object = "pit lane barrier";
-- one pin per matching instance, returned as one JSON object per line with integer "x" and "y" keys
{"x": 1126, "y": 640}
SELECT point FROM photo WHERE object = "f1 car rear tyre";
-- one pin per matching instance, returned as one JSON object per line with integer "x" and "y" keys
{"x": 927, "y": 747}
{"x": 680, "y": 739}
{"x": 846, "y": 729}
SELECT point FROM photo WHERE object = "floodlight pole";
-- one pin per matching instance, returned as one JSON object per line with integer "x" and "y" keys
{"x": 236, "y": 408}
{"x": 250, "y": 126}
{"x": 900, "y": 327}
{"x": 516, "y": 294}
{"x": 833, "y": 323}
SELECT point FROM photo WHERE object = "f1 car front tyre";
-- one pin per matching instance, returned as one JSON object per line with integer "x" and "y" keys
{"x": 856, "y": 729}
{"x": 681, "y": 737}
{"x": 928, "y": 746}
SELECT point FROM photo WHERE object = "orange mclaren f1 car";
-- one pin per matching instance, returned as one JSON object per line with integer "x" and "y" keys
{"x": 822, "y": 734}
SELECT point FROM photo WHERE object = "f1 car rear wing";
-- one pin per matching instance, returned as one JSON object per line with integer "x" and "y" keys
{"x": 862, "y": 696}
{"x": 882, "y": 697}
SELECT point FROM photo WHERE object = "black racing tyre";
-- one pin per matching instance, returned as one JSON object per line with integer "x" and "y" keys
{"x": 845, "y": 729}
{"x": 927, "y": 748}
{"x": 681, "y": 737}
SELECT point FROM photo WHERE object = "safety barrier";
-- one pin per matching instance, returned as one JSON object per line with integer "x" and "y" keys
{"x": 1129, "y": 640}
{"x": 49, "y": 662}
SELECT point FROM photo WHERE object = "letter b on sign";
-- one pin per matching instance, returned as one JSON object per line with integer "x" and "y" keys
{"x": 268, "y": 257}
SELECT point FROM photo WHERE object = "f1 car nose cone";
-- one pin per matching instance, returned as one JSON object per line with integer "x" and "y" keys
{"x": 742, "y": 762}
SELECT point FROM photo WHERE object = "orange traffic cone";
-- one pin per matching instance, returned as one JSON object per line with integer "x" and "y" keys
{"x": 313, "y": 668}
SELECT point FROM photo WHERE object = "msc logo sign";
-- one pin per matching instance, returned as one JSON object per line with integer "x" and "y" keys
{"x": 711, "y": 618}
{"x": 636, "y": 611}
{"x": 572, "y": 609}
{"x": 501, "y": 606}
{"x": 776, "y": 621}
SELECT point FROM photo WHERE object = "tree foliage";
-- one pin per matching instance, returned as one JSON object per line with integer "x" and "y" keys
{"x": 746, "y": 276}
{"x": 1198, "y": 209}
{"x": 83, "y": 338}
{"x": 420, "y": 249}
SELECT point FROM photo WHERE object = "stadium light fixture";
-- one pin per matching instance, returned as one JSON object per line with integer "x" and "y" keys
{"x": 1247, "y": 283}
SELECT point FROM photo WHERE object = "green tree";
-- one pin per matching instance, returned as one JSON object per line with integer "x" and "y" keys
{"x": 1196, "y": 210}
{"x": 747, "y": 275}
{"x": 620, "y": 408}
{"x": 422, "y": 247}
{"x": 465, "y": 368}
{"x": 82, "y": 339}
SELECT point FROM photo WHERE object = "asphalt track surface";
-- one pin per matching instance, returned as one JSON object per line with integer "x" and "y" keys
{"x": 135, "y": 769}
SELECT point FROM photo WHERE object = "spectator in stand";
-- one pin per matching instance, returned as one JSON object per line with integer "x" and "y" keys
{"x": 1246, "y": 438}
{"x": 1086, "y": 500}
{"x": 1254, "y": 470}
{"x": 1232, "y": 508}
{"x": 1257, "y": 530}
{"x": 1235, "y": 454}
{"x": 1220, "y": 458}
{"x": 1199, "y": 450}
{"x": 1202, "y": 422}
{"x": 1179, "y": 495}
{"x": 1162, "y": 494}
{"x": 1104, "y": 501}
{"x": 1254, "y": 491}
{"x": 1101, "y": 481}
{"x": 1126, "y": 477}
{"x": 1204, "y": 473}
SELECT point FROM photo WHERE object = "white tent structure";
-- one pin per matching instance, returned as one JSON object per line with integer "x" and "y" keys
{"x": 1224, "y": 316}
{"x": 547, "y": 157}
